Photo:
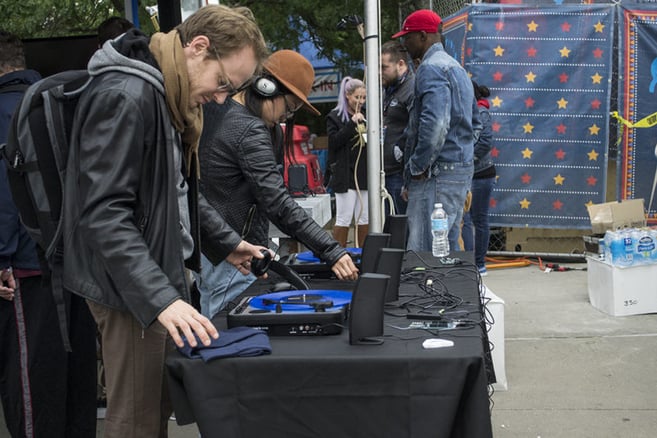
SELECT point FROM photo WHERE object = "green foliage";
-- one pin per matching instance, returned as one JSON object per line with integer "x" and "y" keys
{"x": 56, "y": 18}
{"x": 287, "y": 23}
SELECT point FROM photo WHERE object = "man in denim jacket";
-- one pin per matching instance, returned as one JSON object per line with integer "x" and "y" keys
{"x": 441, "y": 132}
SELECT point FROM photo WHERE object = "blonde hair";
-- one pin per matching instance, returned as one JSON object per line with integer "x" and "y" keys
{"x": 228, "y": 29}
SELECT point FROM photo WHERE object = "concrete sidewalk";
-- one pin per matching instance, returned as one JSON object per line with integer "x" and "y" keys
{"x": 572, "y": 371}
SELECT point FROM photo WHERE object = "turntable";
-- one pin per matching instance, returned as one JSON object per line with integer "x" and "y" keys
{"x": 294, "y": 313}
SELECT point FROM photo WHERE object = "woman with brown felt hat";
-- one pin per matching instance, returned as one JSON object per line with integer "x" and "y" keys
{"x": 241, "y": 155}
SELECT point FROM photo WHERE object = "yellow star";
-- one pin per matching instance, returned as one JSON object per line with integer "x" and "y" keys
{"x": 588, "y": 204}
{"x": 499, "y": 51}
{"x": 593, "y": 155}
{"x": 562, "y": 103}
{"x": 593, "y": 130}
{"x": 469, "y": 27}
{"x": 532, "y": 26}
{"x": 497, "y": 101}
{"x": 564, "y": 52}
{"x": 599, "y": 26}
{"x": 596, "y": 78}
{"x": 527, "y": 153}
{"x": 524, "y": 204}
{"x": 558, "y": 180}
{"x": 530, "y": 77}
{"x": 528, "y": 128}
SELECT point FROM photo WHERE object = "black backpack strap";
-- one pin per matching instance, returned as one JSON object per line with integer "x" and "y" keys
{"x": 14, "y": 87}
{"x": 62, "y": 300}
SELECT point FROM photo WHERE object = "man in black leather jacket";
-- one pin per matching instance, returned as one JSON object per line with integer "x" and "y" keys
{"x": 399, "y": 82}
{"x": 133, "y": 215}
{"x": 240, "y": 176}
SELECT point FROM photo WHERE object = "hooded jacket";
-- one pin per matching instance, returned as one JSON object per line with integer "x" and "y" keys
{"x": 123, "y": 245}
{"x": 240, "y": 178}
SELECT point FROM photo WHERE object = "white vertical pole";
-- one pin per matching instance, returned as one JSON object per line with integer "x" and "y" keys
{"x": 372, "y": 55}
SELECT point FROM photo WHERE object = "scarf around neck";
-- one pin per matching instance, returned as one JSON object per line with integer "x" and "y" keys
{"x": 169, "y": 53}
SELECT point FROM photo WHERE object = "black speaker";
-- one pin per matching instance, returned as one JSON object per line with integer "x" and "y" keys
{"x": 297, "y": 178}
{"x": 266, "y": 86}
{"x": 397, "y": 226}
{"x": 390, "y": 262}
{"x": 366, "y": 309}
{"x": 373, "y": 242}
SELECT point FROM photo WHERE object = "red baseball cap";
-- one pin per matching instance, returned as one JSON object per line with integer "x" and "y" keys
{"x": 422, "y": 20}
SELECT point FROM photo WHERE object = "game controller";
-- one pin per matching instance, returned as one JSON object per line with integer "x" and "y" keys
{"x": 259, "y": 267}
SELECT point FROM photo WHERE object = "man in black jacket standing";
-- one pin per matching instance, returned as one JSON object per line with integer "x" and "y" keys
{"x": 399, "y": 82}
{"x": 45, "y": 390}
{"x": 133, "y": 214}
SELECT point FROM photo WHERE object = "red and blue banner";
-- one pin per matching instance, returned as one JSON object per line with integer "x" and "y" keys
{"x": 549, "y": 71}
{"x": 637, "y": 104}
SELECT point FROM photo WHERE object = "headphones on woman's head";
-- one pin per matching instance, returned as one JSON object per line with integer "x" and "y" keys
{"x": 266, "y": 86}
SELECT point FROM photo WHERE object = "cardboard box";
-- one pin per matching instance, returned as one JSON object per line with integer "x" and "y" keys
{"x": 615, "y": 215}
{"x": 620, "y": 291}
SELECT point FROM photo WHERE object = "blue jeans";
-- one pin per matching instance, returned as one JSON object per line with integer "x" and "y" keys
{"x": 449, "y": 184}
{"x": 394, "y": 185}
{"x": 219, "y": 285}
{"x": 477, "y": 217}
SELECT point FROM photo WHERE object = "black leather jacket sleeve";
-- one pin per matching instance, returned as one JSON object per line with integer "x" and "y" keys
{"x": 218, "y": 238}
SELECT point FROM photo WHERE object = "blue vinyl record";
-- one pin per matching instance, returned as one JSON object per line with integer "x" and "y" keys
{"x": 309, "y": 257}
{"x": 302, "y": 300}
{"x": 355, "y": 251}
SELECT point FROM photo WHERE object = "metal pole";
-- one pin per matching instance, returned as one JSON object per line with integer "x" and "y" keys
{"x": 373, "y": 86}
{"x": 544, "y": 255}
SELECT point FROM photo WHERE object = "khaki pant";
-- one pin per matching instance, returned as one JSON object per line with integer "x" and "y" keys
{"x": 138, "y": 404}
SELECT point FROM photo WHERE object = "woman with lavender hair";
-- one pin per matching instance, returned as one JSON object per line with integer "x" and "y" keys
{"x": 347, "y": 161}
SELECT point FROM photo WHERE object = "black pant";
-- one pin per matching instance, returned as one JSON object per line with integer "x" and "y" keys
{"x": 46, "y": 392}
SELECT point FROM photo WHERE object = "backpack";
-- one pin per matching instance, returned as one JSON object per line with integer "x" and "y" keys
{"x": 36, "y": 153}
{"x": 14, "y": 87}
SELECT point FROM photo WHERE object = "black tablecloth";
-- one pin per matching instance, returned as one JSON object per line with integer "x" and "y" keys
{"x": 321, "y": 386}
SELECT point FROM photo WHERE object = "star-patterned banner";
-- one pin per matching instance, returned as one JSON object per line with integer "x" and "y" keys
{"x": 636, "y": 100}
{"x": 548, "y": 69}
{"x": 454, "y": 28}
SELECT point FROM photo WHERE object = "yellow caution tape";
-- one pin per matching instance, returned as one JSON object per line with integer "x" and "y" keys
{"x": 646, "y": 122}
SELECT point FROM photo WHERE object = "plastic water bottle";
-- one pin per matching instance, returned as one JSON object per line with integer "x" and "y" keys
{"x": 440, "y": 230}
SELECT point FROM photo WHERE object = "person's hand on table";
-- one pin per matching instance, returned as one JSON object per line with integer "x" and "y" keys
{"x": 180, "y": 317}
{"x": 345, "y": 269}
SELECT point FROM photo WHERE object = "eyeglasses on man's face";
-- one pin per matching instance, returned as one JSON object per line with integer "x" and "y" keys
{"x": 225, "y": 85}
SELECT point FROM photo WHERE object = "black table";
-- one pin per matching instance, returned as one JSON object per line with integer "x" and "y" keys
{"x": 322, "y": 386}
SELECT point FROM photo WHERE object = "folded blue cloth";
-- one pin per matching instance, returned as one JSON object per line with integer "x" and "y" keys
{"x": 234, "y": 342}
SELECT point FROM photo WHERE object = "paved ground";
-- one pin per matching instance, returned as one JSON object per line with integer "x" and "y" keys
{"x": 572, "y": 371}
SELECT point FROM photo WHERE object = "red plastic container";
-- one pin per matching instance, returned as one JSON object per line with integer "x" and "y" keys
{"x": 303, "y": 156}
